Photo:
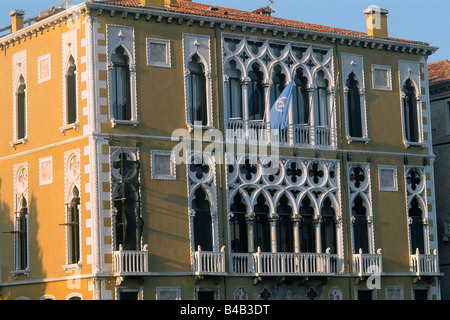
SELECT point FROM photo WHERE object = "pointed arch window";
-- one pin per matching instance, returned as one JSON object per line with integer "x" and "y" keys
{"x": 21, "y": 113}
{"x": 354, "y": 111}
{"x": 22, "y": 235}
{"x": 410, "y": 112}
{"x": 256, "y": 100}
{"x": 121, "y": 85}
{"x": 262, "y": 225}
{"x": 197, "y": 91}
{"x": 234, "y": 87}
{"x": 238, "y": 222}
{"x": 128, "y": 220}
{"x": 417, "y": 236}
{"x": 321, "y": 116}
{"x": 71, "y": 92}
{"x": 285, "y": 237}
{"x": 360, "y": 226}
{"x": 307, "y": 228}
{"x": 300, "y": 98}
{"x": 328, "y": 227}
{"x": 202, "y": 221}
{"x": 278, "y": 84}
{"x": 73, "y": 228}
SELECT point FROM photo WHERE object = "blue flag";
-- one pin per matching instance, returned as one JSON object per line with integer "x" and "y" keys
{"x": 280, "y": 110}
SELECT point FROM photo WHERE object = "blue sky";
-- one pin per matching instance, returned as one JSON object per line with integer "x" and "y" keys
{"x": 419, "y": 20}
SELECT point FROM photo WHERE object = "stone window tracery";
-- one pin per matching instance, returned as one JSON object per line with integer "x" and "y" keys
{"x": 266, "y": 67}
{"x": 287, "y": 211}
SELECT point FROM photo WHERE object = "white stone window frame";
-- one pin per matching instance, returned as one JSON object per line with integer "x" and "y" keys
{"x": 421, "y": 194}
{"x": 69, "y": 49}
{"x": 167, "y": 44}
{"x": 160, "y": 176}
{"x": 388, "y": 69}
{"x": 160, "y": 290}
{"x": 139, "y": 290}
{"x": 21, "y": 190}
{"x": 353, "y": 63}
{"x": 42, "y": 181}
{"x": 119, "y": 35}
{"x": 19, "y": 68}
{"x": 196, "y": 44}
{"x": 394, "y": 175}
{"x": 39, "y": 60}
{"x": 411, "y": 70}
{"x": 71, "y": 181}
{"x": 114, "y": 176}
{"x": 216, "y": 291}
{"x": 366, "y": 193}
{"x": 208, "y": 184}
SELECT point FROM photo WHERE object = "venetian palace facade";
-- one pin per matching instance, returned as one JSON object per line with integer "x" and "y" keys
{"x": 101, "y": 101}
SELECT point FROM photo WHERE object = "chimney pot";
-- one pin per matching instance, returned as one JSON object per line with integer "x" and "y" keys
{"x": 376, "y": 19}
{"x": 16, "y": 20}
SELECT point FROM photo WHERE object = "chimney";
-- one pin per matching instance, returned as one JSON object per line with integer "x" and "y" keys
{"x": 16, "y": 20}
{"x": 158, "y": 3}
{"x": 376, "y": 19}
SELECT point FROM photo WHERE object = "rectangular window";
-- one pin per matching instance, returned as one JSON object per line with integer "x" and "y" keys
{"x": 158, "y": 53}
{"x": 365, "y": 295}
{"x": 387, "y": 177}
{"x": 381, "y": 76}
{"x": 420, "y": 294}
{"x": 129, "y": 294}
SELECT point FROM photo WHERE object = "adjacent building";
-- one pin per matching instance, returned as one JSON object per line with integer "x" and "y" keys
{"x": 439, "y": 77}
{"x": 137, "y": 158}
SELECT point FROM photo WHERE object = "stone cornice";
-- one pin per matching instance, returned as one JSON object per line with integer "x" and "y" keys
{"x": 157, "y": 14}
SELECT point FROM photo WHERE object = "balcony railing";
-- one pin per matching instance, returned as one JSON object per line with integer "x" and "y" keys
{"x": 424, "y": 264}
{"x": 367, "y": 263}
{"x": 298, "y": 135}
{"x": 130, "y": 262}
{"x": 209, "y": 263}
{"x": 286, "y": 263}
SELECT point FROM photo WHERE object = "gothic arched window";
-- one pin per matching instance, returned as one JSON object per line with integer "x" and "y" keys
{"x": 234, "y": 92}
{"x": 354, "y": 107}
{"x": 417, "y": 237}
{"x": 321, "y": 116}
{"x": 21, "y": 116}
{"x": 285, "y": 239}
{"x": 307, "y": 228}
{"x": 300, "y": 98}
{"x": 197, "y": 93}
{"x": 202, "y": 221}
{"x": 410, "y": 112}
{"x": 328, "y": 227}
{"x": 239, "y": 237}
{"x": 121, "y": 85}
{"x": 256, "y": 100}
{"x": 261, "y": 225}
{"x": 360, "y": 227}
{"x": 73, "y": 224}
{"x": 71, "y": 92}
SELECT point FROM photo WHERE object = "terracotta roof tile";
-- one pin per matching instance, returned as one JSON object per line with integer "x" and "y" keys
{"x": 439, "y": 71}
{"x": 199, "y": 9}
{"x": 125, "y": 3}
